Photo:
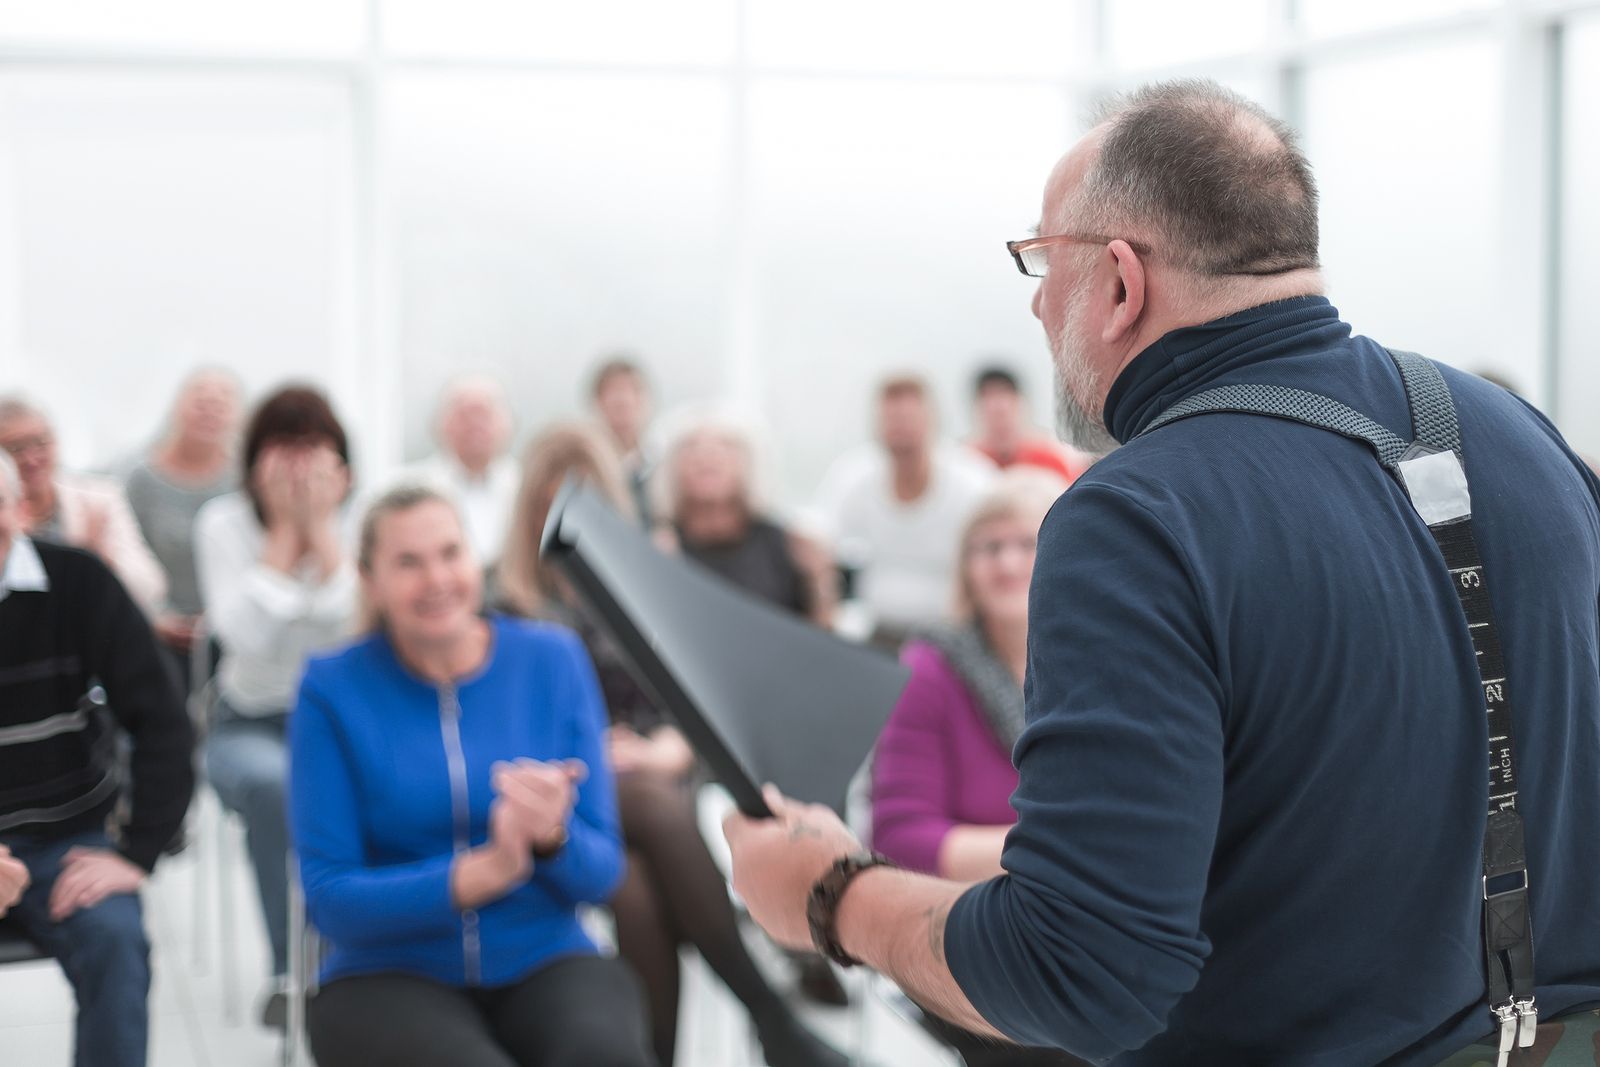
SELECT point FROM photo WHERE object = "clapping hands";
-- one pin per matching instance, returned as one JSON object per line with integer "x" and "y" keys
{"x": 533, "y": 801}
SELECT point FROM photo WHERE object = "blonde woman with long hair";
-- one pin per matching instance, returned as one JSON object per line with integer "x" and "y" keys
{"x": 452, "y": 808}
{"x": 673, "y": 892}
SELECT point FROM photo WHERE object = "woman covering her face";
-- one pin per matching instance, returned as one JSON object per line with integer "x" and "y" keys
{"x": 451, "y": 808}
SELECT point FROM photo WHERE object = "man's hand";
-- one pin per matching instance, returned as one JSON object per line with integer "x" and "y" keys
{"x": 14, "y": 880}
{"x": 776, "y": 861}
{"x": 88, "y": 876}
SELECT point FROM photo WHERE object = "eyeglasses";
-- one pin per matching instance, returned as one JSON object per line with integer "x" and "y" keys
{"x": 992, "y": 549}
{"x": 1031, "y": 259}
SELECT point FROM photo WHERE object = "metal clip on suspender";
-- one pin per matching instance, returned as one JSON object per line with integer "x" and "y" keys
{"x": 1429, "y": 468}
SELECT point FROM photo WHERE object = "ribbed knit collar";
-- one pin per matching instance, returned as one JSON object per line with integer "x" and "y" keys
{"x": 1189, "y": 359}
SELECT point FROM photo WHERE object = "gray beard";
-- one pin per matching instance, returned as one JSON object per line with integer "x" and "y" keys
{"x": 1075, "y": 425}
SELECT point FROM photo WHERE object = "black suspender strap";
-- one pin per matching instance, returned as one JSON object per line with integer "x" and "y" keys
{"x": 1430, "y": 469}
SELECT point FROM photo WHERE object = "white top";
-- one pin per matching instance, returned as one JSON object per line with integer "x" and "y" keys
{"x": 84, "y": 502}
{"x": 266, "y": 621}
{"x": 486, "y": 503}
{"x": 24, "y": 571}
{"x": 906, "y": 550}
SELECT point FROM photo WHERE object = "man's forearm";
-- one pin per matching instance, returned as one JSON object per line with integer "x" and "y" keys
{"x": 894, "y": 922}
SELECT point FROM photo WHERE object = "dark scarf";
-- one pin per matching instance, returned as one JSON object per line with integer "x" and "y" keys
{"x": 990, "y": 682}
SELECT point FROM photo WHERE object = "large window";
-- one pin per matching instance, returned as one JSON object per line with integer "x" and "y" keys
{"x": 1578, "y": 241}
{"x": 772, "y": 203}
{"x": 153, "y": 222}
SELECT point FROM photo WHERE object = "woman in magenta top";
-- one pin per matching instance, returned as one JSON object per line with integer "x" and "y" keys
{"x": 942, "y": 777}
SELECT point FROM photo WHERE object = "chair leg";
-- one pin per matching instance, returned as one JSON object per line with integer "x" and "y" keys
{"x": 227, "y": 920}
{"x": 201, "y": 850}
{"x": 294, "y": 1032}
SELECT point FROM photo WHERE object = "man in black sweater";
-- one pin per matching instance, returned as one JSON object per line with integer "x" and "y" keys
{"x": 78, "y": 664}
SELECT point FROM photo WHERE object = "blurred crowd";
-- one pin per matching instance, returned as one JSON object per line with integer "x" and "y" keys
{"x": 247, "y": 545}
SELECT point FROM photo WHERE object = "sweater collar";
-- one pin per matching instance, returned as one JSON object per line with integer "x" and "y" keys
{"x": 1190, "y": 358}
{"x": 23, "y": 571}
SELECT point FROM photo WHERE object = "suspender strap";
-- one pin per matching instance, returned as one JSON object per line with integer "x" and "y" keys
{"x": 1430, "y": 470}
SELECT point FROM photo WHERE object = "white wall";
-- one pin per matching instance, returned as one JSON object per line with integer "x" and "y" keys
{"x": 773, "y": 203}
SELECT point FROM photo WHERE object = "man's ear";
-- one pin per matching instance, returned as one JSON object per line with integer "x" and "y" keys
{"x": 1125, "y": 293}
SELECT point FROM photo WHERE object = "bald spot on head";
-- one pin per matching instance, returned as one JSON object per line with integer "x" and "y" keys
{"x": 1211, "y": 180}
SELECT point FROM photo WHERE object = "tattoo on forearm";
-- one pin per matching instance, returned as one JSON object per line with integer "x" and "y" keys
{"x": 936, "y": 922}
{"x": 800, "y": 829}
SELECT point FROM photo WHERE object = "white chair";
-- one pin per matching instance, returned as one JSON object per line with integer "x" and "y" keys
{"x": 305, "y": 961}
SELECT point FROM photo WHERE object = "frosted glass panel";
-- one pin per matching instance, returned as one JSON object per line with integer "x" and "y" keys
{"x": 245, "y": 25}
{"x": 609, "y": 31}
{"x": 542, "y": 221}
{"x": 1579, "y": 329}
{"x": 1018, "y": 37}
{"x": 1404, "y": 147}
{"x": 152, "y": 223}
{"x": 1149, "y": 33}
{"x": 882, "y": 212}
{"x": 1344, "y": 16}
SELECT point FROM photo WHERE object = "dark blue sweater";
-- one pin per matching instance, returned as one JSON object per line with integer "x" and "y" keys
{"x": 375, "y": 815}
{"x": 1253, "y": 781}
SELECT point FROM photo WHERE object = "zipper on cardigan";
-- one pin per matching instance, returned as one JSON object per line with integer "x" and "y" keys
{"x": 461, "y": 813}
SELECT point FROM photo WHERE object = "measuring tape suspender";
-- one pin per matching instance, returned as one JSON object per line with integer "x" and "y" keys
{"x": 1429, "y": 468}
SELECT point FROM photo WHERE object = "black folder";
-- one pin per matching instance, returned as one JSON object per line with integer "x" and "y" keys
{"x": 761, "y": 695}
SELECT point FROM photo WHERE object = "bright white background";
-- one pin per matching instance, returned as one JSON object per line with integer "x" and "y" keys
{"x": 773, "y": 202}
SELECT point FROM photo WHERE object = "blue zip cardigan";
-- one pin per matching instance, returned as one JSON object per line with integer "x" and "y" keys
{"x": 374, "y": 818}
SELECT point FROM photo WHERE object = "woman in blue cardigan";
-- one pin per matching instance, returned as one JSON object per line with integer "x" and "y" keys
{"x": 451, "y": 808}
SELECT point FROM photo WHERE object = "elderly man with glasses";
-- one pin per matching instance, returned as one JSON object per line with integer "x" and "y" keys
{"x": 1273, "y": 639}
{"x": 79, "y": 666}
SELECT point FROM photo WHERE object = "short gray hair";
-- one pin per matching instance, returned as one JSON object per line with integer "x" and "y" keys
{"x": 1218, "y": 184}
{"x": 14, "y": 407}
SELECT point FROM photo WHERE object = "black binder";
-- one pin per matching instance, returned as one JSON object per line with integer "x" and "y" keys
{"x": 761, "y": 695}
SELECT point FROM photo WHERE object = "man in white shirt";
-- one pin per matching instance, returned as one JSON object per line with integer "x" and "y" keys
{"x": 894, "y": 511}
{"x": 471, "y": 466}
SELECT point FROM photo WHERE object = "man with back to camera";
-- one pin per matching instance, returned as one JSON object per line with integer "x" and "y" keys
{"x": 72, "y": 640}
{"x": 1253, "y": 810}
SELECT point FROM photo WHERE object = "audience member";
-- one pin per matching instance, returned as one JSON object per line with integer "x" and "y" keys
{"x": 76, "y": 509}
{"x": 942, "y": 777}
{"x": 622, "y": 399}
{"x": 78, "y": 665}
{"x": 192, "y": 463}
{"x": 452, "y": 808}
{"x": 893, "y": 511}
{"x": 673, "y": 892}
{"x": 1003, "y": 433}
{"x": 471, "y": 467}
{"x": 278, "y": 585}
{"x": 708, "y": 496}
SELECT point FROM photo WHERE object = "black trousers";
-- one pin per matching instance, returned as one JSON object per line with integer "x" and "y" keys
{"x": 584, "y": 1011}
